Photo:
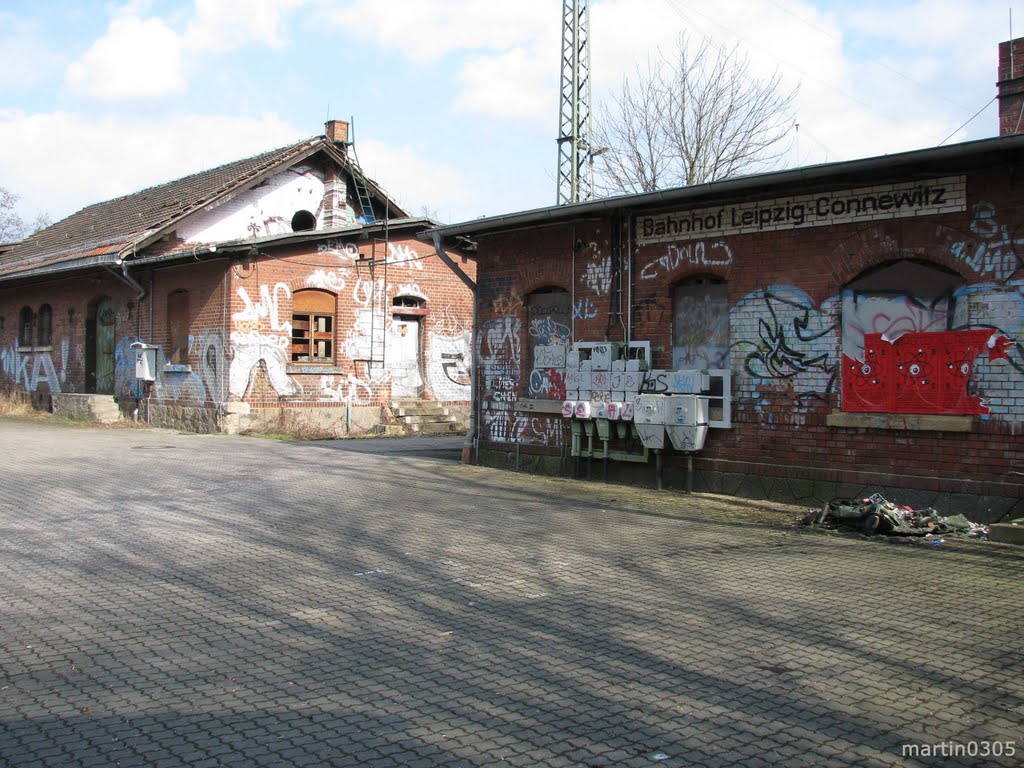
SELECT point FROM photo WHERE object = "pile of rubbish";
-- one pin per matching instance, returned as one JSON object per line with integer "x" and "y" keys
{"x": 879, "y": 515}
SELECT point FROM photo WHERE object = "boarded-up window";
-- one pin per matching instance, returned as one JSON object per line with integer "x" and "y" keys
{"x": 178, "y": 327}
{"x": 25, "y": 327}
{"x": 700, "y": 323}
{"x": 549, "y": 319}
{"x": 313, "y": 326}
{"x": 44, "y": 326}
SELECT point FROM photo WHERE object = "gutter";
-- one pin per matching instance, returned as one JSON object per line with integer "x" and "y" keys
{"x": 127, "y": 278}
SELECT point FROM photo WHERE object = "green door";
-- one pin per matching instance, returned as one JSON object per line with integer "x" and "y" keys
{"x": 103, "y": 363}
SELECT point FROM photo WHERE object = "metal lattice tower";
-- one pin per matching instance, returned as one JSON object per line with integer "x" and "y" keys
{"x": 575, "y": 167}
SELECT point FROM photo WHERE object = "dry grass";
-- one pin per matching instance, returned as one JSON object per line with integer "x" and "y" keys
{"x": 15, "y": 404}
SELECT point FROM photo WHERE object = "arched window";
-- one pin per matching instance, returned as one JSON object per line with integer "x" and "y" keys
{"x": 700, "y": 323}
{"x": 178, "y": 327}
{"x": 25, "y": 327}
{"x": 44, "y": 326}
{"x": 313, "y": 313}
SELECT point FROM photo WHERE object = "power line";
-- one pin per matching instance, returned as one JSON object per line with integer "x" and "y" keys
{"x": 968, "y": 121}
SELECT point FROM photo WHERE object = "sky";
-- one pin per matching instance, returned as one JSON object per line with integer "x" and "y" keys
{"x": 454, "y": 103}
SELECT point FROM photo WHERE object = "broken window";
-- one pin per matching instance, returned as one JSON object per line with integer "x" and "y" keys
{"x": 313, "y": 314}
{"x": 25, "y": 327}
{"x": 303, "y": 221}
{"x": 178, "y": 327}
{"x": 44, "y": 326}
{"x": 700, "y": 323}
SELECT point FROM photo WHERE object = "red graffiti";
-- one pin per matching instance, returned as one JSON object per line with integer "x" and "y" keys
{"x": 918, "y": 372}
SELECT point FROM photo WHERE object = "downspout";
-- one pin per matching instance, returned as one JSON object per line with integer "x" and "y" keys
{"x": 470, "y": 446}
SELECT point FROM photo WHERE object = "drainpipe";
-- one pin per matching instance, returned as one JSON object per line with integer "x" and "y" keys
{"x": 470, "y": 447}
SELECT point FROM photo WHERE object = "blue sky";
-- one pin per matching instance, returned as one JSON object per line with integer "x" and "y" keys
{"x": 454, "y": 101}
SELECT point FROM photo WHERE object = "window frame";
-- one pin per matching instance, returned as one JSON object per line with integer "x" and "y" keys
{"x": 26, "y": 328}
{"x": 312, "y": 307}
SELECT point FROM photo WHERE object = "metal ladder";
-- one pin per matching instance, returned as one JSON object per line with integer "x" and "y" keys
{"x": 359, "y": 182}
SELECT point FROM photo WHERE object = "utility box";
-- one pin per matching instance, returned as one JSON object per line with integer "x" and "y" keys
{"x": 685, "y": 410}
{"x": 145, "y": 361}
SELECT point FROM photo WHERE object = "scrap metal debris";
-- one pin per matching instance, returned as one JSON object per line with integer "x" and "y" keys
{"x": 879, "y": 515}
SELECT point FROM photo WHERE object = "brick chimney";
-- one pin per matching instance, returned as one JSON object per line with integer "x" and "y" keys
{"x": 1011, "y": 87}
{"x": 336, "y": 131}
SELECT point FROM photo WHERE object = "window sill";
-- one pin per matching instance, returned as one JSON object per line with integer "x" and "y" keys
{"x": 903, "y": 421}
{"x": 313, "y": 368}
{"x": 177, "y": 368}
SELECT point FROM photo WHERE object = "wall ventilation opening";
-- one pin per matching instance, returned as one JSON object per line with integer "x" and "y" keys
{"x": 303, "y": 221}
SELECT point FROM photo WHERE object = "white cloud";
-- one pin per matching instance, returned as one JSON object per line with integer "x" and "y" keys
{"x": 429, "y": 29}
{"x": 226, "y": 24}
{"x": 513, "y": 84}
{"x": 114, "y": 157}
{"x": 410, "y": 179}
{"x": 135, "y": 59}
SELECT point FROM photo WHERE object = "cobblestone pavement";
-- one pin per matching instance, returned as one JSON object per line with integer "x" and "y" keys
{"x": 200, "y": 600}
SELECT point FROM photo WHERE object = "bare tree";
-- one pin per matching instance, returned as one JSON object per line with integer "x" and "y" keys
{"x": 12, "y": 226}
{"x": 689, "y": 119}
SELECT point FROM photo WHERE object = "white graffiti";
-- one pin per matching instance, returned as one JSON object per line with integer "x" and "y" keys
{"x": 345, "y": 390}
{"x": 700, "y": 253}
{"x": 368, "y": 293}
{"x": 404, "y": 256}
{"x": 365, "y": 340}
{"x": 993, "y": 253}
{"x": 327, "y": 281}
{"x": 506, "y": 427}
{"x": 250, "y": 318}
{"x": 448, "y": 370}
{"x": 411, "y": 289}
{"x": 343, "y": 251}
{"x": 598, "y": 276}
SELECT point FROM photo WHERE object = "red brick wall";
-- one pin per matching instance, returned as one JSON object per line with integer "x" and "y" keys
{"x": 785, "y": 335}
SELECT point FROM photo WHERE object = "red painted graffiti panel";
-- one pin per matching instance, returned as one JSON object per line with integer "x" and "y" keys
{"x": 918, "y": 372}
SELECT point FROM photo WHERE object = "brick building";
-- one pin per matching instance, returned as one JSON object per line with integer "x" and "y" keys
{"x": 822, "y": 332}
{"x": 283, "y": 288}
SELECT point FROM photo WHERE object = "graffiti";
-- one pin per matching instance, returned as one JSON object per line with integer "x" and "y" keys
{"x": 598, "y": 275}
{"x": 251, "y": 316}
{"x": 448, "y": 370}
{"x": 547, "y": 384}
{"x": 507, "y": 427}
{"x": 509, "y": 306}
{"x": 403, "y": 256}
{"x": 700, "y": 253}
{"x": 343, "y": 251}
{"x": 890, "y": 316}
{"x": 327, "y": 281}
{"x": 368, "y": 293}
{"x": 788, "y": 342}
{"x": 209, "y": 350}
{"x": 700, "y": 330}
{"x": 584, "y": 310}
{"x": 345, "y": 390}
{"x": 547, "y": 330}
{"x": 411, "y": 289}
{"x": 365, "y": 340}
{"x": 993, "y": 254}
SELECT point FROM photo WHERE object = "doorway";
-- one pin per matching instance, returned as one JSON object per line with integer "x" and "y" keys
{"x": 100, "y": 341}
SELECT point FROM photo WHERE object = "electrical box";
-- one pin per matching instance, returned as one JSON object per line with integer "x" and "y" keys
{"x": 649, "y": 409}
{"x": 685, "y": 410}
{"x": 688, "y": 437}
{"x": 568, "y": 409}
{"x": 145, "y": 361}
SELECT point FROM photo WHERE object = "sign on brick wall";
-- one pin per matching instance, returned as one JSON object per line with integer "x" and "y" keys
{"x": 883, "y": 201}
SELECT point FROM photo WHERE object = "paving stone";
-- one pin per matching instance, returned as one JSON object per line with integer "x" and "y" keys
{"x": 230, "y": 601}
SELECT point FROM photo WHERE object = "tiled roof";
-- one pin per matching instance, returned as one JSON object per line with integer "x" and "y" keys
{"x": 111, "y": 226}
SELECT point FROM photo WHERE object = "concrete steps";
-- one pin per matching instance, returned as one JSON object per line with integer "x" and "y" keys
{"x": 100, "y": 408}
{"x": 424, "y": 417}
